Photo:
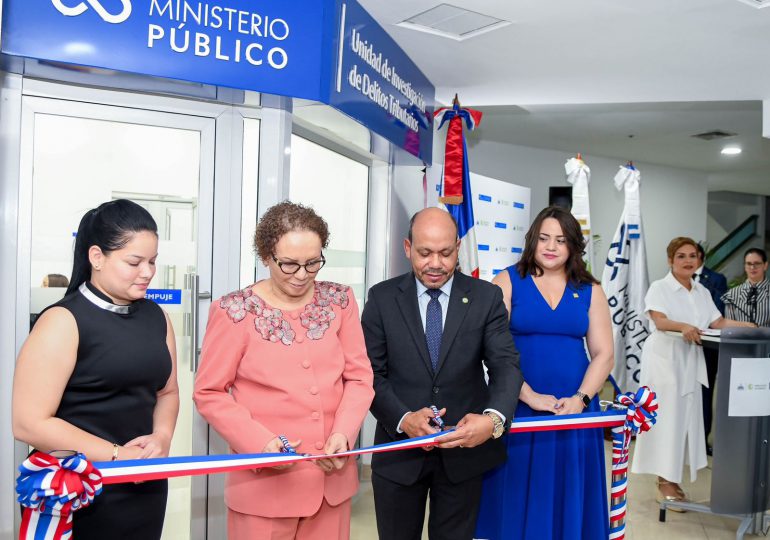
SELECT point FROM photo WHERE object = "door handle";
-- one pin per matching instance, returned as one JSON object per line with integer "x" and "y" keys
{"x": 192, "y": 282}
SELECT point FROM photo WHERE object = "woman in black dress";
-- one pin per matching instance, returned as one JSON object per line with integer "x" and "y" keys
{"x": 97, "y": 373}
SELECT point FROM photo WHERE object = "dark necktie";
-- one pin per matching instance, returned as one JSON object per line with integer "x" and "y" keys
{"x": 433, "y": 326}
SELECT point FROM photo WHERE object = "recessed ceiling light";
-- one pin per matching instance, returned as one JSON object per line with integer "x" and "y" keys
{"x": 731, "y": 150}
{"x": 453, "y": 22}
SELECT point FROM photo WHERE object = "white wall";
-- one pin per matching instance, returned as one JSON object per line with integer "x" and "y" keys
{"x": 674, "y": 201}
{"x": 407, "y": 197}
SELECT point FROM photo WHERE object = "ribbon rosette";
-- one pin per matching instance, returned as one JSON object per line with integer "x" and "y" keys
{"x": 641, "y": 414}
{"x": 50, "y": 489}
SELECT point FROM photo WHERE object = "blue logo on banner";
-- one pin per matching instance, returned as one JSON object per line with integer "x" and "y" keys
{"x": 516, "y": 250}
{"x": 518, "y": 205}
{"x": 164, "y": 296}
{"x": 500, "y": 225}
{"x": 496, "y": 271}
{"x": 485, "y": 198}
{"x": 483, "y": 247}
{"x": 324, "y": 50}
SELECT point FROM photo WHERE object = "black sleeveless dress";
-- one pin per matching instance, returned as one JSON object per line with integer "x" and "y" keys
{"x": 122, "y": 362}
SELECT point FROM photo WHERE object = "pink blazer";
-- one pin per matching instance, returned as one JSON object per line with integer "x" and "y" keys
{"x": 303, "y": 374}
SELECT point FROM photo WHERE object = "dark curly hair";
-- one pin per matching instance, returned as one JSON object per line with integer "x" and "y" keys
{"x": 575, "y": 268}
{"x": 285, "y": 217}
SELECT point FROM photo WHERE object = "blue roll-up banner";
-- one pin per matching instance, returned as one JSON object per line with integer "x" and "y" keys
{"x": 330, "y": 51}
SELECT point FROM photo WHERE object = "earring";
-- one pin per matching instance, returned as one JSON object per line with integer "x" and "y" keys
{"x": 97, "y": 267}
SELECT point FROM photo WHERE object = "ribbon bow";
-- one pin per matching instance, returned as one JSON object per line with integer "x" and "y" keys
{"x": 641, "y": 415}
{"x": 50, "y": 489}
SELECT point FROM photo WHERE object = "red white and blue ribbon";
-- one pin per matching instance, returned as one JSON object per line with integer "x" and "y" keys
{"x": 640, "y": 415}
{"x": 51, "y": 489}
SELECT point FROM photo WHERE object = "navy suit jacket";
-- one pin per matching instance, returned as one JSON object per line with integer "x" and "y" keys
{"x": 716, "y": 284}
{"x": 476, "y": 333}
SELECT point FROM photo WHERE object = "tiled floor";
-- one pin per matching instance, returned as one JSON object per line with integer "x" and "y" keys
{"x": 642, "y": 522}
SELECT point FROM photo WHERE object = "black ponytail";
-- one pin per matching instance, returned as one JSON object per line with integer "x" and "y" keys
{"x": 109, "y": 226}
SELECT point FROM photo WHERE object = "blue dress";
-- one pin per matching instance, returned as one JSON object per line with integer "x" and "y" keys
{"x": 553, "y": 483}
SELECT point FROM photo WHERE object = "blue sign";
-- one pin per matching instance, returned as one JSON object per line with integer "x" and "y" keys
{"x": 324, "y": 50}
{"x": 485, "y": 198}
{"x": 270, "y": 46}
{"x": 376, "y": 83}
{"x": 164, "y": 296}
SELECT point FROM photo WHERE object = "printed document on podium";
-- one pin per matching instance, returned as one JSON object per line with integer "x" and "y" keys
{"x": 749, "y": 387}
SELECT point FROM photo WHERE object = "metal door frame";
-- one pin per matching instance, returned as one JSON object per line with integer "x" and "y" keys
{"x": 218, "y": 217}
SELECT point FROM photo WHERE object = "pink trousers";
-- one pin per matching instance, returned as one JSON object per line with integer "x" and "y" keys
{"x": 329, "y": 523}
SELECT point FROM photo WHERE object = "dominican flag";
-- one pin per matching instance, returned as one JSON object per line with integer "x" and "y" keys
{"x": 455, "y": 190}
{"x": 625, "y": 282}
{"x": 463, "y": 214}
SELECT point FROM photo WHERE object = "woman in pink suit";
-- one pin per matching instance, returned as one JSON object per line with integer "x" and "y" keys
{"x": 286, "y": 357}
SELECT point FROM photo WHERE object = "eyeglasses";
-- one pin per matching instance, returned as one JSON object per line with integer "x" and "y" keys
{"x": 292, "y": 267}
{"x": 753, "y": 264}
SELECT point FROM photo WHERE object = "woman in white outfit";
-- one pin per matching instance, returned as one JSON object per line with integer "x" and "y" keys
{"x": 674, "y": 367}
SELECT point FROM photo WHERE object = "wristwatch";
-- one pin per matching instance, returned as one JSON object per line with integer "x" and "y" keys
{"x": 498, "y": 428}
{"x": 584, "y": 398}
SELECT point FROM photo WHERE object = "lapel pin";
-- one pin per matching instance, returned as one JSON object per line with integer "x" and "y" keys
{"x": 465, "y": 300}
{"x": 575, "y": 295}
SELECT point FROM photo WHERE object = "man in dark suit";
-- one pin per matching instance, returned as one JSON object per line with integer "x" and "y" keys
{"x": 716, "y": 284}
{"x": 428, "y": 334}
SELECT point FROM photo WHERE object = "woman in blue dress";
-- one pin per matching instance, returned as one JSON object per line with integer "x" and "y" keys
{"x": 553, "y": 484}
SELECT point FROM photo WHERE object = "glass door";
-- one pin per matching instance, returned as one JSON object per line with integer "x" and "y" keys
{"x": 77, "y": 155}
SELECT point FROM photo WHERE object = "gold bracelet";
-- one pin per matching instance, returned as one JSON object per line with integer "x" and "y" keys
{"x": 115, "y": 448}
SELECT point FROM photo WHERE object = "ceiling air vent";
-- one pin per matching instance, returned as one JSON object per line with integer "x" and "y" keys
{"x": 452, "y": 22}
{"x": 759, "y": 4}
{"x": 714, "y": 135}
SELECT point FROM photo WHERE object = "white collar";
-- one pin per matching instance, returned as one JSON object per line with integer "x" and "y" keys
{"x": 674, "y": 284}
{"x": 101, "y": 303}
{"x": 446, "y": 288}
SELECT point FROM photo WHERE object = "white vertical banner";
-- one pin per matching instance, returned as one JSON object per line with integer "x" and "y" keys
{"x": 579, "y": 176}
{"x": 625, "y": 283}
{"x": 502, "y": 214}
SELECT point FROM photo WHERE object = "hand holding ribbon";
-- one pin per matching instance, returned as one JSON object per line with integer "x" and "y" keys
{"x": 472, "y": 430}
{"x": 277, "y": 446}
{"x": 336, "y": 444}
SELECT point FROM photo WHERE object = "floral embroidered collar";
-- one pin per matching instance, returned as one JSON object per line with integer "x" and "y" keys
{"x": 271, "y": 323}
